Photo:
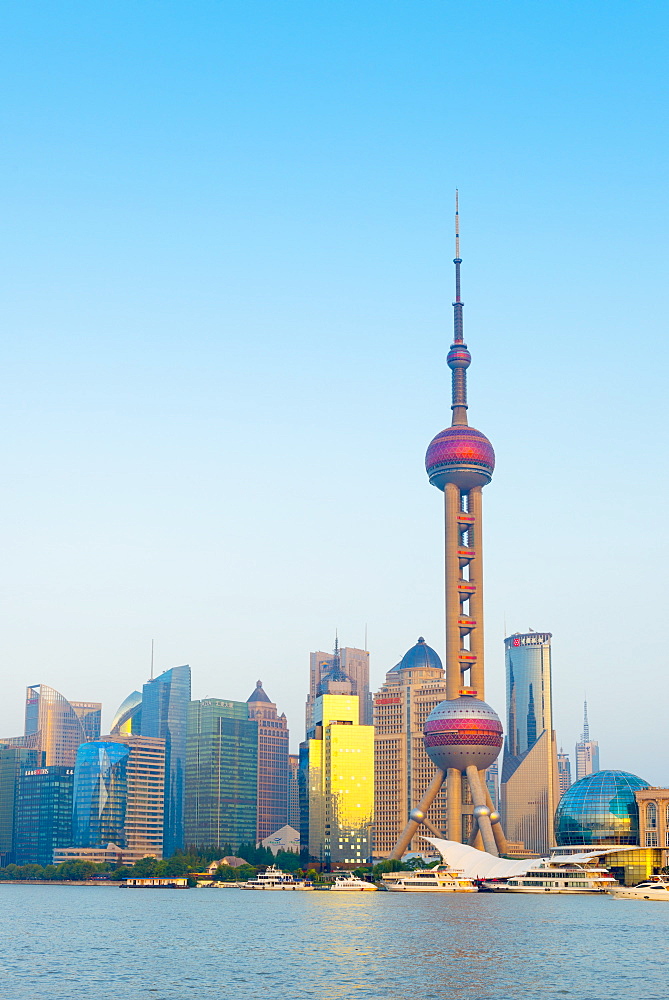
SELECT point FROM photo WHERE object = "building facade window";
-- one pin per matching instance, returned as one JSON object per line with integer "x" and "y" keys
{"x": 651, "y": 816}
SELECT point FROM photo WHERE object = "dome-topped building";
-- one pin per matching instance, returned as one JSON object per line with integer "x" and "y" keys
{"x": 419, "y": 657}
{"x": 600, "y": 809}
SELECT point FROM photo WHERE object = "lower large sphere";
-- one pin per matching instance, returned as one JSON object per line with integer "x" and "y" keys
{"x": 462, "y": 732}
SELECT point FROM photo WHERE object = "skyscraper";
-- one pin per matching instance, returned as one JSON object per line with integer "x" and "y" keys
{"x": 355, "y": 664}
{"x": 463, "y": 735}
{"x": 119, "y": 795}
{"x": 57, "y": 726}
{"x": 587, "y": 750}
{"x": 337, "y": 780}
{"x": 128, "y": 718}
{"x": 272, "y": 763}
{"x": 13, "y": 761}
{"x": 165, "y": 701}
{"x": 530, "y": 785}
{"x": 564, "y": 771}
{"x": 221, "y": 774}
{"x": 403, "y": 771}
{"x": 43, "y": 813}
{"x": 294, "y": 791}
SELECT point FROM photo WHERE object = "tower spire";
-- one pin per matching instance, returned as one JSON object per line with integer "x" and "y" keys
{"x": 459, "y": 357}
{"x": 586, "y": 724}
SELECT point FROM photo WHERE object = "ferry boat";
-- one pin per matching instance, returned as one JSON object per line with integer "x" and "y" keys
{"x": 349, "y": 883}
{"x": 656, "y": 887}
{"x": 555, "y": 878}
{"x": 275, "y": 879}
{"x": 439, "y": 879}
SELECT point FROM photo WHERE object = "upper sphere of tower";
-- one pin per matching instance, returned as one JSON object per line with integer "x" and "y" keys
{"x": 460, "y": 455}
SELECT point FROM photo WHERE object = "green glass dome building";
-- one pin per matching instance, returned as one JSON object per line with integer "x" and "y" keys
{"x": 600, "y": 809}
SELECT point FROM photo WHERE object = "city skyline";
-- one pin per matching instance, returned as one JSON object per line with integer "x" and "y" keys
{"x": 249, "y": 258}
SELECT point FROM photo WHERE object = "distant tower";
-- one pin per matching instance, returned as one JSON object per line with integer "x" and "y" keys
{"x": 463, "y": 735}
{"x": 564, "y": 771}
{"x": 587, "y": 750}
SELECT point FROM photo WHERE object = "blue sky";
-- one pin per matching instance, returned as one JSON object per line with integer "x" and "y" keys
{"x": 226, "y": 289}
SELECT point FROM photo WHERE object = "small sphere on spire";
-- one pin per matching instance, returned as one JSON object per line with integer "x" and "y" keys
{"x": 459, "y": 356}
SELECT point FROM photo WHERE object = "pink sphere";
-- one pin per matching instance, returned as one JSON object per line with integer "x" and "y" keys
{"x": 462, "y": 732}
{"x": 460, "y": 455}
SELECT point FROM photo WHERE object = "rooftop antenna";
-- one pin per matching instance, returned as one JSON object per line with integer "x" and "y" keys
{"x": 365, "y": 636}
{"x": 152, "y": 641}
{"x": 586, "y": 724}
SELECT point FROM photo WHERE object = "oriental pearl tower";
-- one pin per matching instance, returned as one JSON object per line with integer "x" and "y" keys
{"x": 463, "y": 735}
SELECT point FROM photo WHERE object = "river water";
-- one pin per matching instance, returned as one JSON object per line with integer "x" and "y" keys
{"x": 80, "y": 942}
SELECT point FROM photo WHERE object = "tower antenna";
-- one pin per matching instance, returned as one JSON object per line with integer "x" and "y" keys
{"x": 459, "y": 357}
{"x": 152, "y": 642}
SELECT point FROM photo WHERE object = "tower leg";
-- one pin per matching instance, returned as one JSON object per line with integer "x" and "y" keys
{"x": 479, "y": 799}
{"x": 413, "y": 824}
{"x": 498, "y": 832}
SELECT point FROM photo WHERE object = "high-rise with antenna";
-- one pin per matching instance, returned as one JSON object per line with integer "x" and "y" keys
{"x": 463, "y": 735}
{"x": 587, "y": 750}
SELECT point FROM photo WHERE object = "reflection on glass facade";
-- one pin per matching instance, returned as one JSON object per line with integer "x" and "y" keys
{"x": 43, "y": 814}
{"x": 529, "y": 781}
{"x": 221, "y": 774}
{"x": 165, "y": 701}
{"x": 100, "y": 794}
{"x": 128, "y": 718}
{"x": 337, "y": 783}
{"x": 600, "y": 809}
{"x": 57, "y": 726}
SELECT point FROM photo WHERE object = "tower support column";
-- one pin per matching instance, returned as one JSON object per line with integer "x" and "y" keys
{"x": 476, "y": 600}
{"x": 452, "y": 502}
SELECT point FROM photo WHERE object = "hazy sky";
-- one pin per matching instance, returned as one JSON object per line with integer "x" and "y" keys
{"x": 226, "y": 288}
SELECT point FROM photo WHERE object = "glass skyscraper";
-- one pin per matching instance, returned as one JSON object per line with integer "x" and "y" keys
{"x": 165, "y": 701}
{"x": 529, "y": 781}
{"x": 119, "y": 792}
{"x": 43, "y": 813}
{"x": 57, "y": 726}
{"x": 337, "y": 783}
{"x": 13, "y": 760}
{"x": 100, "y": 794}
{"x": 221, "y": 774}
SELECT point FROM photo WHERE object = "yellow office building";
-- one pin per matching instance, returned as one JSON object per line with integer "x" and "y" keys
{"x": 337, "y": 783}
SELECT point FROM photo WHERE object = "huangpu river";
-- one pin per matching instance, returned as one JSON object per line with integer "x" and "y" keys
{"x": 79, "y": 942}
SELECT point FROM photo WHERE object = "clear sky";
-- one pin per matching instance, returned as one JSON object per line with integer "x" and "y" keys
{"x": 226, "y": 288}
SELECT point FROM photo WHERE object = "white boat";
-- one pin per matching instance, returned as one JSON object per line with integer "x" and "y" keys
{"x": 656, "y": 887}
{"x": 275, "y": 879}
{"x": 556, "y": 878}
{"x": 349, "y": 883}
{"x": 439, "y": 879}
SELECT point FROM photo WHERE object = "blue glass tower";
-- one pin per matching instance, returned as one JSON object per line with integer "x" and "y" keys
{"x": 43, "y": 813}
{"x": 165, "y": 702}
{"x": 100, "y": 794}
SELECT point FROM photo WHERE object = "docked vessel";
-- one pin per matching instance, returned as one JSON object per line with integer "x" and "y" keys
{"x": 551, "y": 877}
{"x": 275, "y": 879}
{"x": 656, "y": 887}
{"x": 349, "y": 883}
{"x": 439, "y": 879}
